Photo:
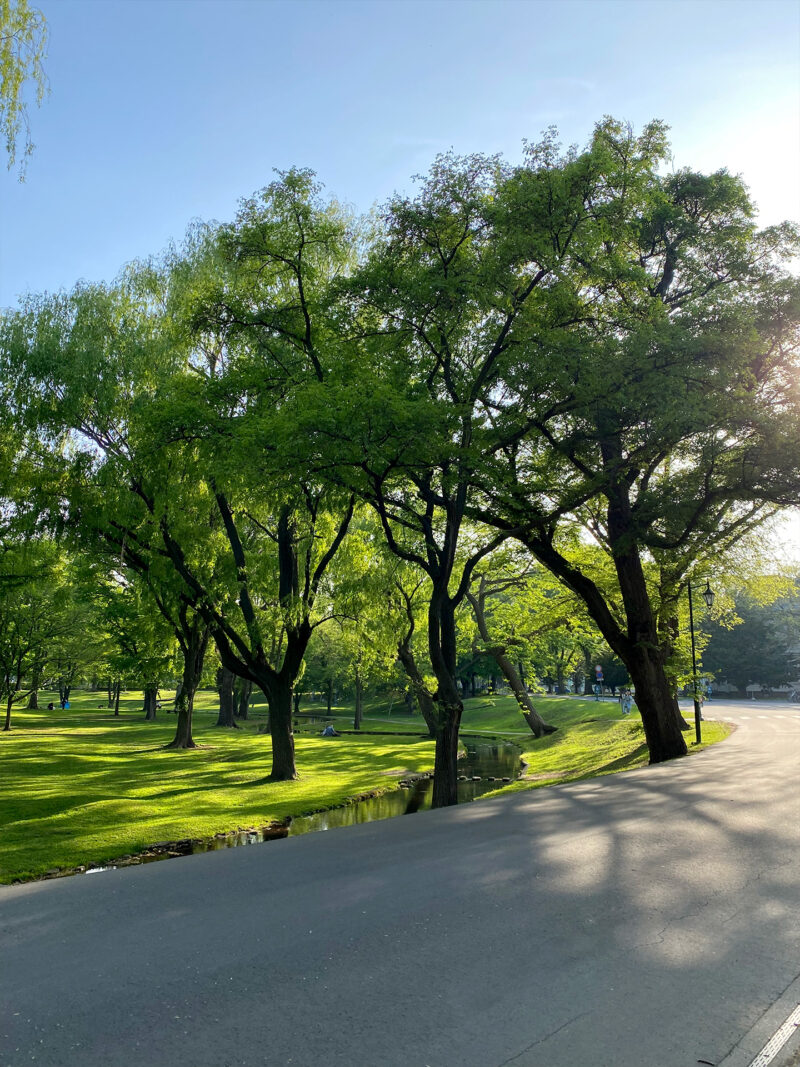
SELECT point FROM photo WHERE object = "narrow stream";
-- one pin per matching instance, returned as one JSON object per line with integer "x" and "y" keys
{"x": 484, "y": 768}
{"x": 487, "y": 765}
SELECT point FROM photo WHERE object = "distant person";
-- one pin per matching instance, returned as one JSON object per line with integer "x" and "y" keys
{"x": 51, "y": 706}
{"x": 627, "y": 701}
{"x": 330, "y": 732}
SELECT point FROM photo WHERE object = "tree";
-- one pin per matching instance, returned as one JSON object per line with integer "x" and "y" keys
{"x": 435, "y": 307}
{"x": 656, "y": 403}
{"x": 34, "y": 616}
{"x": 23, "y": 40}
{"x": 142, "y": 648}
{"x": 514, "y": 606}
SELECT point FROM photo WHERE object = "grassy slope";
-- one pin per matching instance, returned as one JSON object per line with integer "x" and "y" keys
{"x": 81, "y": 786}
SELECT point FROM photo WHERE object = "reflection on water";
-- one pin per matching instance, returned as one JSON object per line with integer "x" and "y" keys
{"x": 483, "y": 769}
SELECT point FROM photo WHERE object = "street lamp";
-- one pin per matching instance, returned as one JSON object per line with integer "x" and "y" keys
{"x": 708, "y": 596}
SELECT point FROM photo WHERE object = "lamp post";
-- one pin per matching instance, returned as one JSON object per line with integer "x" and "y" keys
{"x": 708, "y": 596}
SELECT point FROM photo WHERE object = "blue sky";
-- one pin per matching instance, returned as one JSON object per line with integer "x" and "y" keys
{"x": 162, "y": 111}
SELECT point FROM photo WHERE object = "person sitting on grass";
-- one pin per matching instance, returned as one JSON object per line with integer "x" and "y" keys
{"x": 330, "y": 732}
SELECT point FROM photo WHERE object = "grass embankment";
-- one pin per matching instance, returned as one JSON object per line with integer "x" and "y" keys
{"x": 81, "y": 786}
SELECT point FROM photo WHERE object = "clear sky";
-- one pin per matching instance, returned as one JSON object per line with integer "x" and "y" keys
{"x": 163, "y": 111}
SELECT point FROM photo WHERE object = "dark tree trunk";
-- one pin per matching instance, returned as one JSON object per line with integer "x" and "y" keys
{"x": 194, "y": 641}
{"x": 110, "y": 691}
{"x": 329, "y": 694}
{"x": 639, "y": 648}
{"x": 442, "y": 649}
{"x": 656, "y": 704}
{"x": 33, "y": 698}
{"x": 225, "y": 681}
{"x": 94, "y": 685}
{"x": 473, "y": 688}
{"x": 117, "y": 688}
{"x": 9, "y": 702}
{"x": 445, "y": 776}
{"x": 296, "y": 699}
{"x": 358, "y": 713}
{"x": 150, "y": 696}
{"x": 643, "y": 653}
{"x": 243, "y": 698}
{"x": 279, "y": 697}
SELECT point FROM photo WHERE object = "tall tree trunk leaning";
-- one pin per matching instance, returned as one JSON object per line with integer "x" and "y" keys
{"x": 538, "y": 726}
{"x": 225, "y": 682}
{"x": 420, "y": 690}
{"x": 409, "y": 665}
{"x": 638, "y": 646}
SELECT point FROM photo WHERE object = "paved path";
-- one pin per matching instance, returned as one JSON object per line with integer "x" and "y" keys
{"x": 648, "y": 919}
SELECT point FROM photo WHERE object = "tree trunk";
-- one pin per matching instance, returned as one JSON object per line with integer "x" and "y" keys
{"x": 642, "y": 653}
{"x": 357, "y": 717}
{"x": 110, "y": 691}
{"x": 150, "y": 695}
{"x": 445, "y": 775}
{"x": 423, "y": 695}
{"x": 194, "y": 641}
{"x": 639, "y": 648}
{"x": 117, "y": 688}
{"x": 532, "y": 717}
{"x": 442, "y": 650}
{"x": 329, "y": 694}
{"x": 9, "y": 702}
{"x": 33, "y": 699}
{"x": 656, "y": 704}
{"x": 243, "y": 698}
{"x": 225, "y": 680}
{"x": 279, "y": 697}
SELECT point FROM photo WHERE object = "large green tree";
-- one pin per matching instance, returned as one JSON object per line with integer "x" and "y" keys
{"x": 658, "y": 406}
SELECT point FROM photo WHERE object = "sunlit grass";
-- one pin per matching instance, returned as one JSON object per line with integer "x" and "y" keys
{"x": 81, "y": 786}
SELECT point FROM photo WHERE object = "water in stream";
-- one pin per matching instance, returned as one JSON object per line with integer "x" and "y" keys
{"x": 485, "y": 767}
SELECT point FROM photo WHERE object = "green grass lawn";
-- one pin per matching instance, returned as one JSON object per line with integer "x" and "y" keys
{"x": 81, "y": 786}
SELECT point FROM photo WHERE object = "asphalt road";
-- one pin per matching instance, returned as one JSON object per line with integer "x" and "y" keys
{"x": 648, "y": 919}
